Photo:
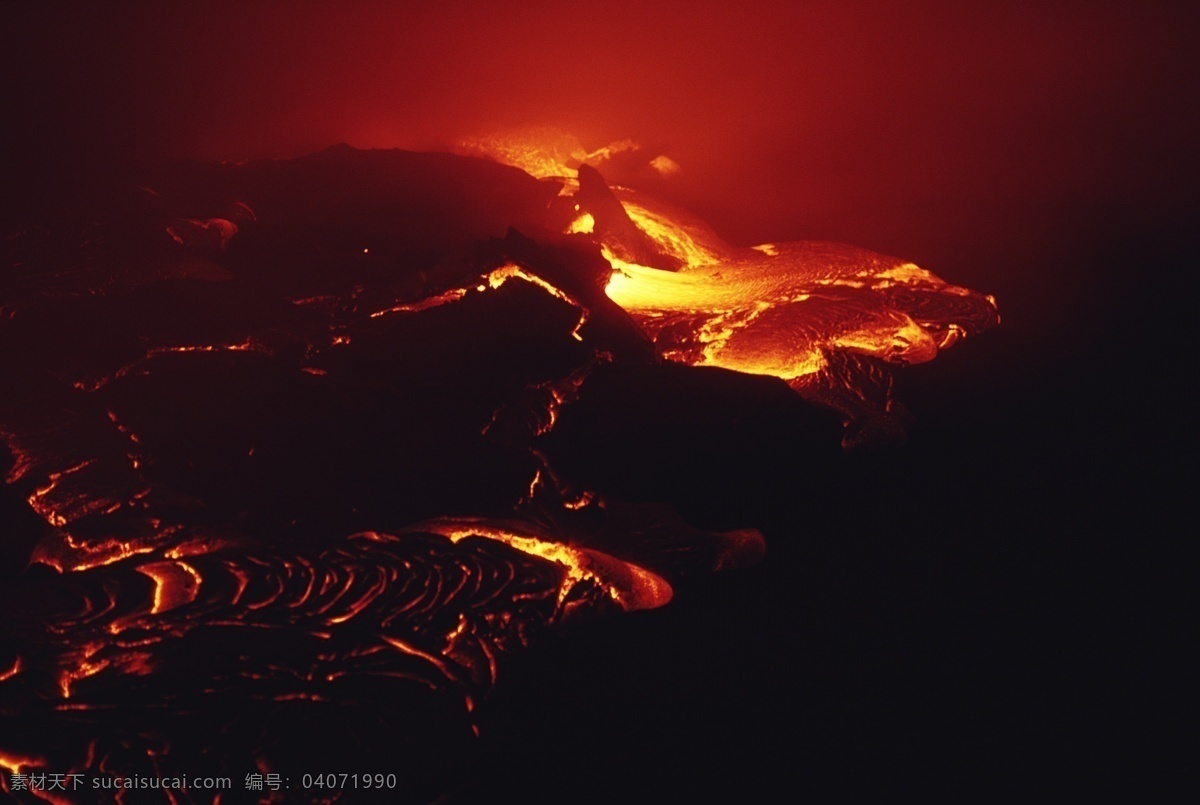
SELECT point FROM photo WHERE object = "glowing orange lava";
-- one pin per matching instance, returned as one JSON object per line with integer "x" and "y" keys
{"x": 797, "y": 311}
{"x": 12, "y": 671}
{"x": 15, "y": 764}
{"x": 175, "y": 584}
{"x": 627, "y": 584}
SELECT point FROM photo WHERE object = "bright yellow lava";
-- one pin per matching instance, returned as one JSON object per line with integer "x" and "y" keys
{"x": 782, "y": 309}
{"x": 779, "y": 309}
{"x": 584, "y": 224}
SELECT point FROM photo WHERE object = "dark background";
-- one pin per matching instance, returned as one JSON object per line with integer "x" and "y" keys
{"x": 996, "y": 604}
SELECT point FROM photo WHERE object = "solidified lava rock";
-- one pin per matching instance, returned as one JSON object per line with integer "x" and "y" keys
{"x": 284, "y": 446}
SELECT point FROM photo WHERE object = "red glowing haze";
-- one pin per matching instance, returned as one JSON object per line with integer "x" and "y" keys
{"x": 939, "y": 131}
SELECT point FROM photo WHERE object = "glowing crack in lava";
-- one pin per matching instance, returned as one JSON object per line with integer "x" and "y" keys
{"x": 291, "y": 476}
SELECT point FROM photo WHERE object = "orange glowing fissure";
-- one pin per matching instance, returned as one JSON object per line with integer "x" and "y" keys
{"x": 17, "y": 764}
{"x": 12, "y": 671}
{"x": 491, "y": 281}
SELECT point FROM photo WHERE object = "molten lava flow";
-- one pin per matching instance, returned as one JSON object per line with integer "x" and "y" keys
{"x": 808, "y": 313}
{"x": 828, "y": 319}
{"x": 628, "y": 585}
{"x": 12, "y": 671}
{"x": 781, "y": 314}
